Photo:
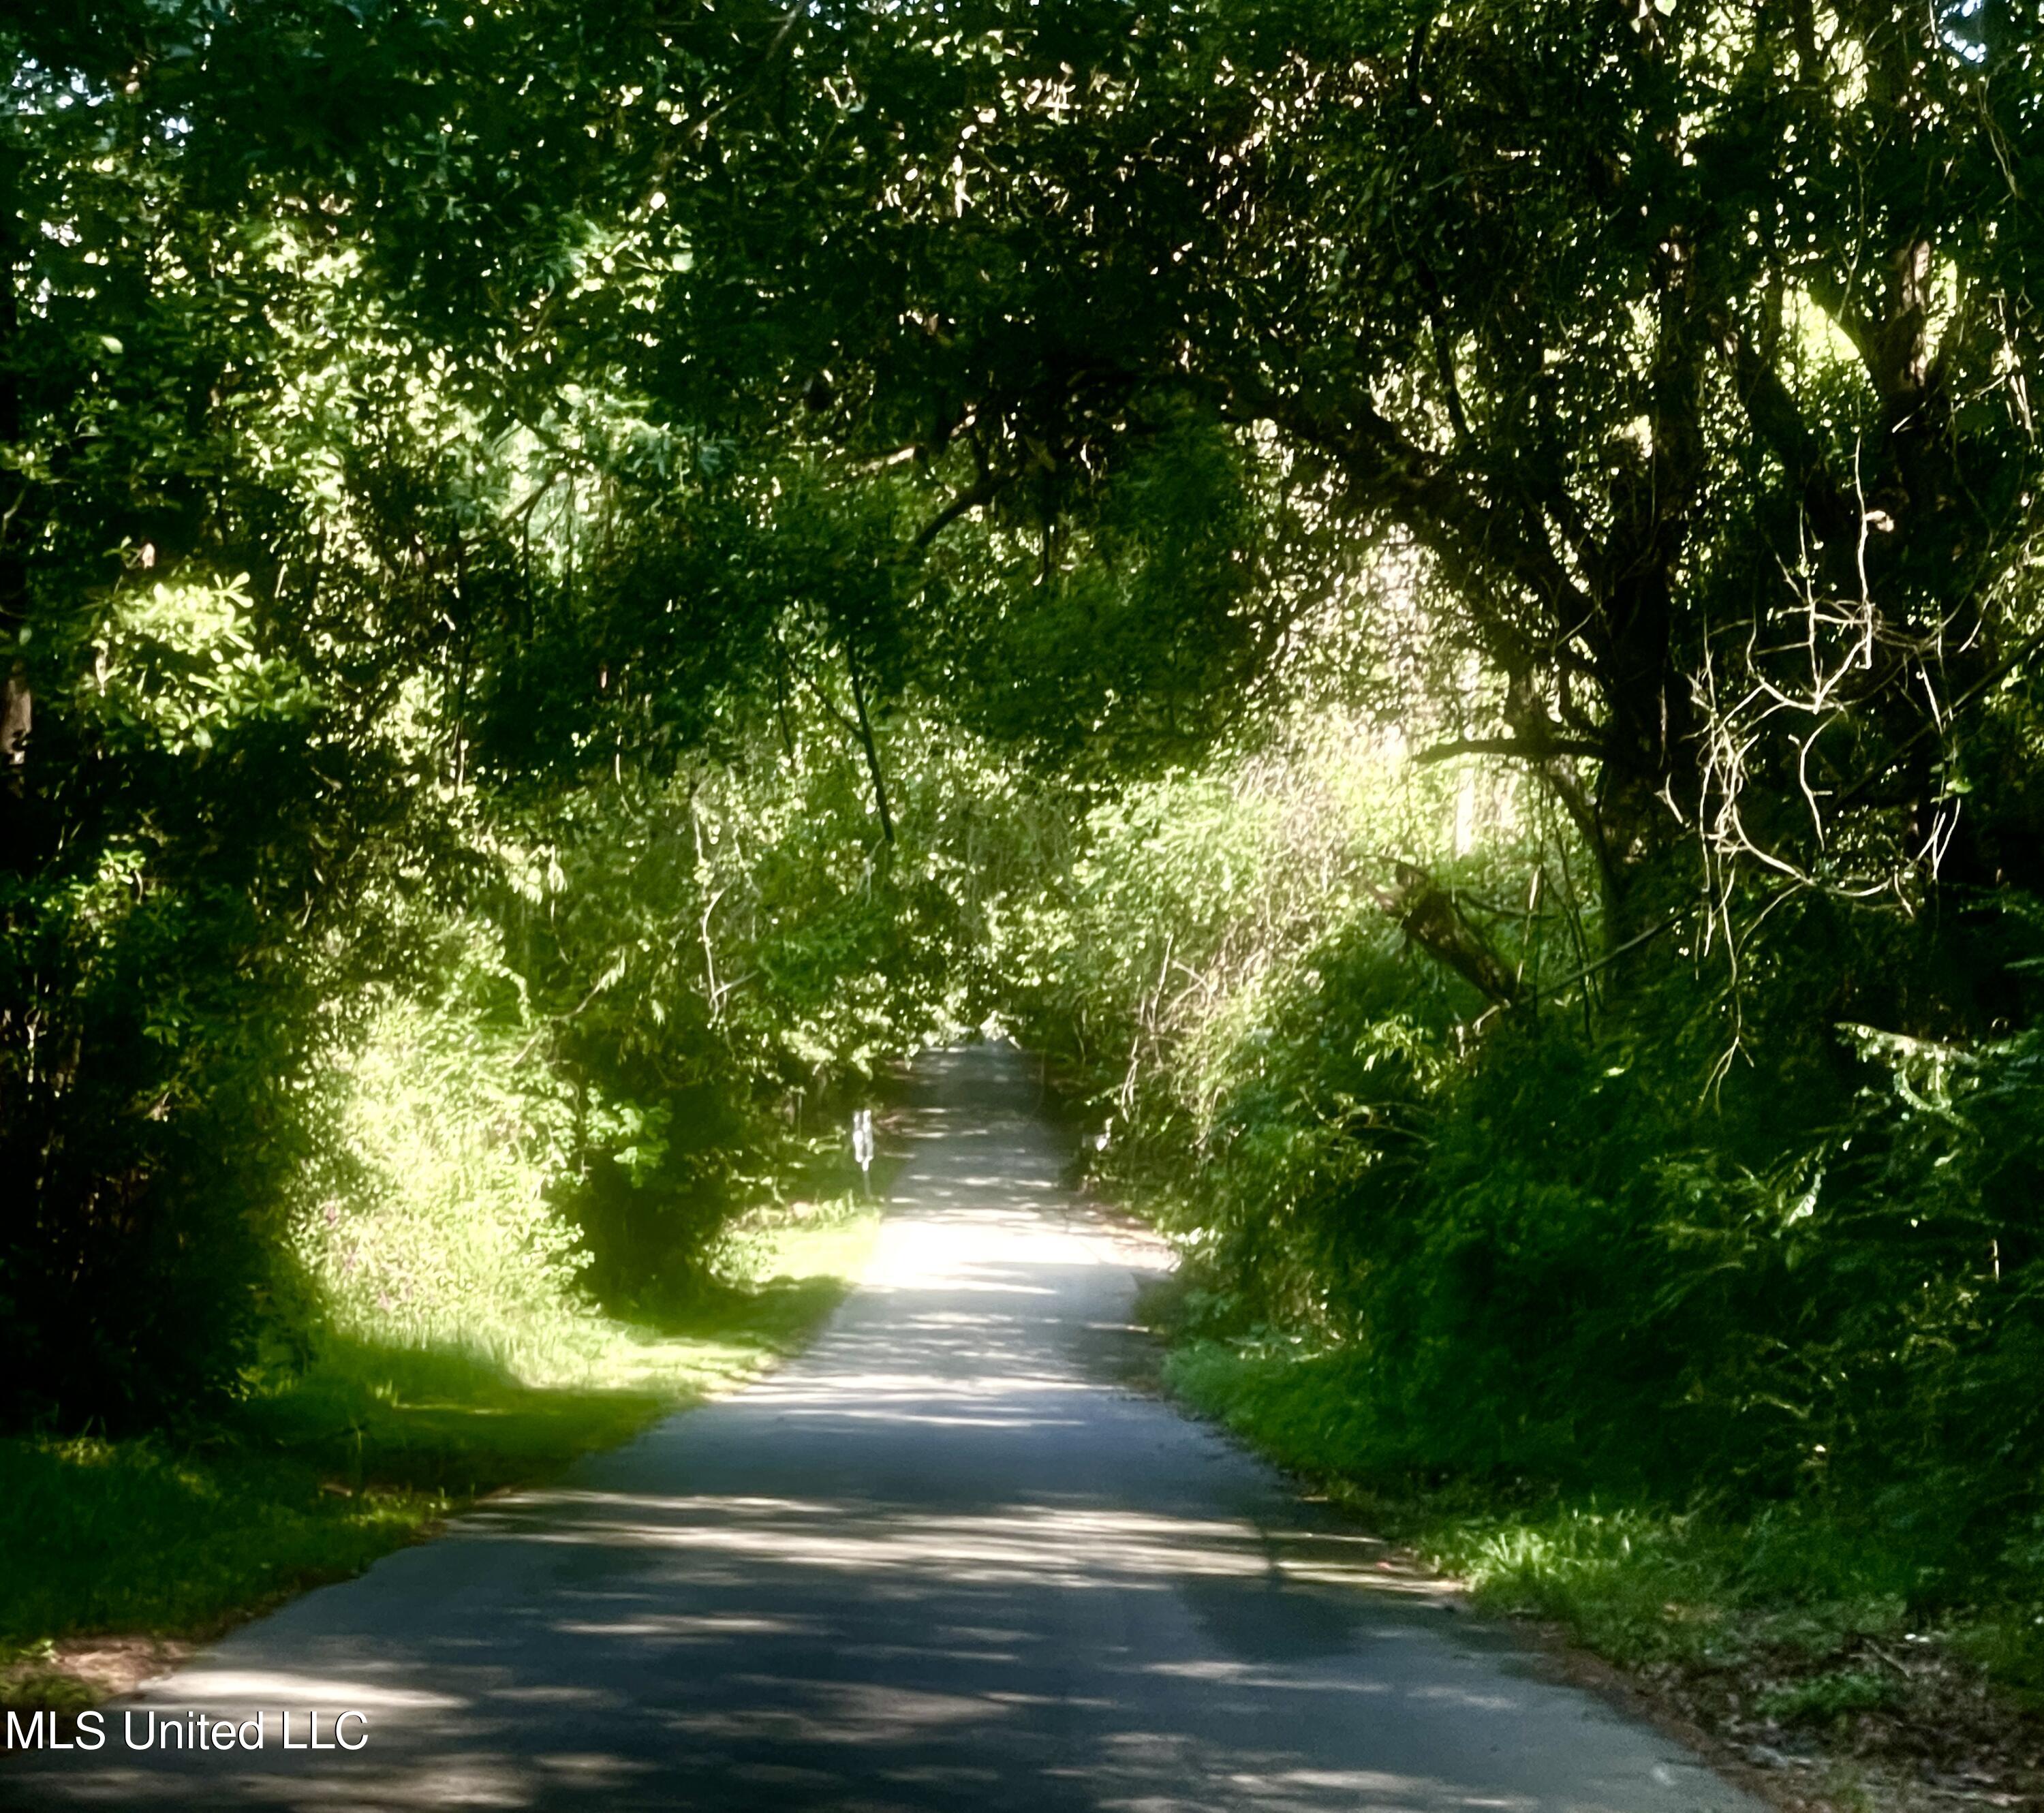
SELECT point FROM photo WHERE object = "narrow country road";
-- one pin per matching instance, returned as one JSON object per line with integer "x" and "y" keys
{"x": 943, "y": 1562}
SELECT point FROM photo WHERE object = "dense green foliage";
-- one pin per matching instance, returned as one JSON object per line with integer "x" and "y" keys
{"x": 1551, "y": 1254}
{"x": 1441, "y": 603}
{"x": 408, "y": 916}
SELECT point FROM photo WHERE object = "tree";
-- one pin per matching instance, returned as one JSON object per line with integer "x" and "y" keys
{"x": 1695, "y": 350}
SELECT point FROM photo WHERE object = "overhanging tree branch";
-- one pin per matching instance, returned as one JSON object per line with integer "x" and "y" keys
{"x": 867, "y": 742}
{"x": 1517, "y": 748}
{"x": 1426, "y": 913}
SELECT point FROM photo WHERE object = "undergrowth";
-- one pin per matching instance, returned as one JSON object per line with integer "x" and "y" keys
{"x": 321, "y": 1470}
{"x": 1833, "y": 1606}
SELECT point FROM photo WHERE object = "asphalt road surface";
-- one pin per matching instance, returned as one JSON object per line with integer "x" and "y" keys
{"x": 944, "y": 1560}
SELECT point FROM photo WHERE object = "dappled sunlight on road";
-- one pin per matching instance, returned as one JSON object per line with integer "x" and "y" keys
{"x": 1025, "y": 1544}
{"x": 943, "y": 1562}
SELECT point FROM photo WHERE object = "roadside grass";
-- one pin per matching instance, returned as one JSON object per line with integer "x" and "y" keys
{"x": 1791, "y": 1628}
{"x": 367, "y": 1448}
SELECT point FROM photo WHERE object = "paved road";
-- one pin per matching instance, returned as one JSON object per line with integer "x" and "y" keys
{"x": 942, "y": 1562}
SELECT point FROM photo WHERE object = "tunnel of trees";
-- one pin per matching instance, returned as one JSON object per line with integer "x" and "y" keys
{"x": 1439, "y": 603}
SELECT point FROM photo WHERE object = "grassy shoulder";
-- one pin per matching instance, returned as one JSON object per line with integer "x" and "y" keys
{"x": 1805, "y": 1639}
{"x": 366, "y": 1449}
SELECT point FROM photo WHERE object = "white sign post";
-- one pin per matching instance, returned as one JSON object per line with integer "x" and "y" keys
{"x": 861, "y": 1145}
